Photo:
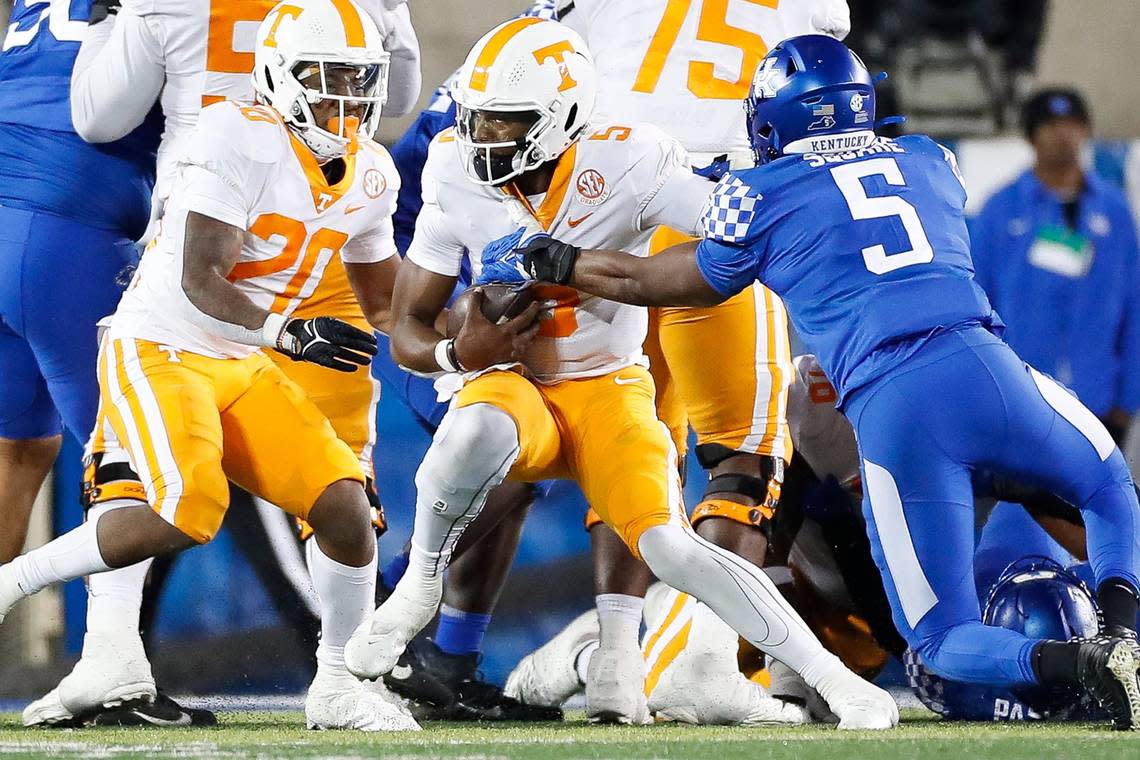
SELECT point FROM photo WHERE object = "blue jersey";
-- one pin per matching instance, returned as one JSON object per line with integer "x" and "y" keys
{"x": 44, "y": 165}
{"x": 867, "y": 248}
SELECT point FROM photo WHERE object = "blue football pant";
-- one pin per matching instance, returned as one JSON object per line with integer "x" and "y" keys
{"x": 59, "y": 278}
{"x": 966, "y": 402}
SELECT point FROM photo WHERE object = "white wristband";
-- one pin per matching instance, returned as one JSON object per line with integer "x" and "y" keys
{"x": 442, "y": 358}
{"x": 271, "y": 330}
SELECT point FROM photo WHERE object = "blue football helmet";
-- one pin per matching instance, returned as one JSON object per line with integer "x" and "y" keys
{"x": 810, "y": 93}
{"x": 1040, "y": 598}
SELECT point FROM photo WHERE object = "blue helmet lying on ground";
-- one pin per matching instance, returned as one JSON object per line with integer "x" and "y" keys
{"x": 1040, "y": 598}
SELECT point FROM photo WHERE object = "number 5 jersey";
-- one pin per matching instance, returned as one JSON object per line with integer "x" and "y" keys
{"x": 867, "y": 248}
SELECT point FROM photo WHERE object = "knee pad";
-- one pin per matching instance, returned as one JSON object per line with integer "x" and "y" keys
{"x": 109, "y": 477}
{"x": 472, "y": 452}
{"x": 763, "y": 490}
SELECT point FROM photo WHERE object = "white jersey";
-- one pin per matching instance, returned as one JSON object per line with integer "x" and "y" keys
{"x": 687, "y": 66}
{"x": 192, "y": 53}
{"x": 820, "y": 433}
{"x": 611, "y": 190}
{"x": 242, "y": 166}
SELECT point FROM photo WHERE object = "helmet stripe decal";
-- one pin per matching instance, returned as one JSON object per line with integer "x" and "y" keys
{"x": 495, "y": 46}
{"x": 353, "y": 28}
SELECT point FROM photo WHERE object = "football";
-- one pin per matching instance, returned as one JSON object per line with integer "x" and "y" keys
{"x": 500, "y": 303}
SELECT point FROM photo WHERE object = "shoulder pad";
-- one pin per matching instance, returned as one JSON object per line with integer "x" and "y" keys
{"x": 255, "y": 132}
{"x": 731, "y": 208}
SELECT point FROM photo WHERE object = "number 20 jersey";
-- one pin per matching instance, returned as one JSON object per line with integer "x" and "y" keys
{"x": 245, "y": 168}
{"x": 867, "y": 248}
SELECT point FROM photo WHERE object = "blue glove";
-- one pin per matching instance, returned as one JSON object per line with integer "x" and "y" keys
{"x": 501, "y": 261}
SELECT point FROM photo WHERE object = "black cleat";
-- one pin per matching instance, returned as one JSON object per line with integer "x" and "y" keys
{"x": 428, "y": 697}
{"x": 1110, "y": 670}
{"x": 163, "y": 712}
{"x": 476, "y": 699}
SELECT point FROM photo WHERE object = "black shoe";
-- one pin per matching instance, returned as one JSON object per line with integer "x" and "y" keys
{"x": 163, "y": 712}
{"x": 1110, "y": 670}
{"x": 428, "y": 697}
{"x": 475, "y": 698}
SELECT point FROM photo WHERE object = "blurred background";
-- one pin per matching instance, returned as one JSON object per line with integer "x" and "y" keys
{"x": 960, "y": 70}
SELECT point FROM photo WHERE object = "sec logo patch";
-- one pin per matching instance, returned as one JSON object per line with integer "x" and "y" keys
{"x": 374, "y": 183}
{"x": 591, "y": 186}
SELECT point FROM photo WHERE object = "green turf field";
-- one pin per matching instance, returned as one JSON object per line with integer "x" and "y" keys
{"x": 281, "y": 735}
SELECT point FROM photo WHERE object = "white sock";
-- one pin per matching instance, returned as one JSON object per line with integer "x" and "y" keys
{"x": 737, "y": 591}
{"x": 619, "y": 617}
{"x": 115, "y": 597}
{"x": 582, "y": 663}
{"x": 347, "y": 595}
{"x": 72, "y": 555}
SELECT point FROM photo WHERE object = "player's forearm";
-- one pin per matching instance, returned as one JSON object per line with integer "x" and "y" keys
{"x": 217, "y": 298}
{"x": 414, "y": 344}
{"x": 213, "y": 303}
{"x": 664, "y": 280}
{"x": 612, "y": 275}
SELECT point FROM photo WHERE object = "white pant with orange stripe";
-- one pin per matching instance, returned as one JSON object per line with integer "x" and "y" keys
{"x": 692, "y": 675}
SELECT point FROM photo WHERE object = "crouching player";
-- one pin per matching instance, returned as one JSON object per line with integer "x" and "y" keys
{"x": 864, "y": 239}
{"x": 267, "y": 194}
{"x": 583, "y": 406}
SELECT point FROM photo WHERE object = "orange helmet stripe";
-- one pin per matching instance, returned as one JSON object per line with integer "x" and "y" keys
{"x": 353, "y": 27}
{"x": 495, "y": 46}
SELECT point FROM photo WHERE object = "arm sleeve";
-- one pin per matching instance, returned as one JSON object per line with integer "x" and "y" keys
{"x": 434, "y": 247}
{"x": 679, "y": 196}
{"x": 401, "y": 43}
{"x": 118, "y": 75}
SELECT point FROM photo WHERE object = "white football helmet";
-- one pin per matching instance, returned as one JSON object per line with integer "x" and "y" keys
{"x": 305, "y": 39}
{"x": 531, "y": 68}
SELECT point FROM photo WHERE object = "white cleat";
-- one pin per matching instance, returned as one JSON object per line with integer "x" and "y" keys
{"x": 858, "y": 703}
{"x": 10, "y": 591}
{"x": 702, "y": 683}
{"x": 788, "y": 685}
{"x": 112, "y": 672}
{"x": 377, "y": 643}
{"x": 337, "y": 700}
{"x": 615, "y": 687}
{"x": 48, "y": 710}
{"x": 549, "y": 674}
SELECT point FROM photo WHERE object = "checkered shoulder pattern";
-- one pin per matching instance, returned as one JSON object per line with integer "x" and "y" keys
{"x": 729, "y": 210}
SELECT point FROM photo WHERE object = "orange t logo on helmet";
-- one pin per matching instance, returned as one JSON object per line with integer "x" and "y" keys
{"x": 557, "y": 52}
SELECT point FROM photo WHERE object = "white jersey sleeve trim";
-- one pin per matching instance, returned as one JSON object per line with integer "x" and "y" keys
{"x": 118, "y": 75}
{"x": 377, "y": 244}
{"x": 214, "y": 196}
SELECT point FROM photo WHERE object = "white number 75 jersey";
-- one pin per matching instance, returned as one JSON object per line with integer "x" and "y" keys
{"x": 686, "y": 65}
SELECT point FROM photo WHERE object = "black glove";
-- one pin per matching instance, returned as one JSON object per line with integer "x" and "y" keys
{"x": 328, "y": 342}
{"x": 549, "y": 260}
{"x": 101, "y": 9}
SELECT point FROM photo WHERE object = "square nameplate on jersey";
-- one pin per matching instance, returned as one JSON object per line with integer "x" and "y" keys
{"x": 1061, "y": 251}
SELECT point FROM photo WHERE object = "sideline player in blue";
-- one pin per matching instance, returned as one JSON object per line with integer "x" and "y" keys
{"x": 864, "y": 238}
{"x": 69, "y": 215}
